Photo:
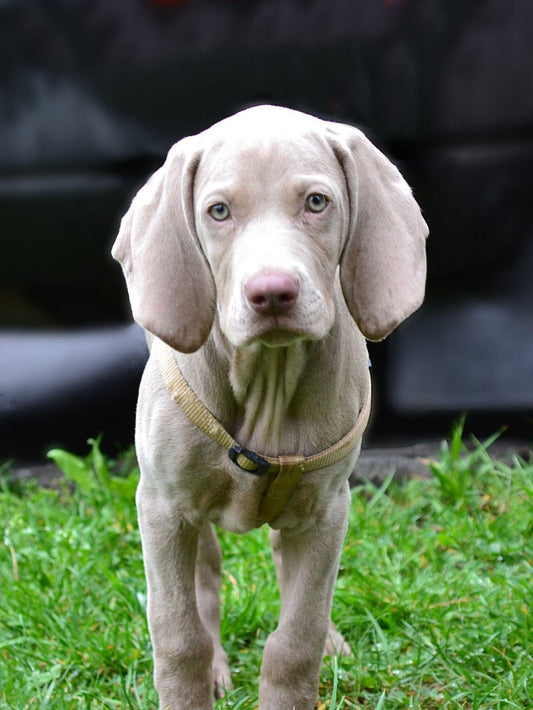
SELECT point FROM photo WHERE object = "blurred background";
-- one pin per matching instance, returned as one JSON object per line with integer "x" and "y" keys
{"x": 92, "y": 95}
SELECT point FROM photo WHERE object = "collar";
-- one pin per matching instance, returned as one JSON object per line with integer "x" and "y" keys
{"x": 286, "y": 471}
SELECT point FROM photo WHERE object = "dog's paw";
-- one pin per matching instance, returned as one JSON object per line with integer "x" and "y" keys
{"x": 335, "y": 643}
{"x": 221, "y": 675}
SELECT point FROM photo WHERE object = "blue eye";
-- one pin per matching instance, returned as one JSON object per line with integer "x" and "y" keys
{"x": 316, "y": 202}
{"x": 220, "y": 211}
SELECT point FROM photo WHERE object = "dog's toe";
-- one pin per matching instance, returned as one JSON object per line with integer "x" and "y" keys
{"x": 221, "y": 675}
{"x": 335, "y": 643}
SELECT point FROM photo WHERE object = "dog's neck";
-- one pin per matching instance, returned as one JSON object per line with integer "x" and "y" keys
{"x": 264, "y": 382}
{"x": 298, "y": 399}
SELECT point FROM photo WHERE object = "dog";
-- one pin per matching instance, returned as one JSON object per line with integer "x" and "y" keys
{"x": 259, "y": 258}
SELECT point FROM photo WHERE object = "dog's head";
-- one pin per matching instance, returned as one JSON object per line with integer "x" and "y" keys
{"x": 253, "y": 217}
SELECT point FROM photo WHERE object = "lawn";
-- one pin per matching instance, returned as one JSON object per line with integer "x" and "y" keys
{"x": 434, "y": 592}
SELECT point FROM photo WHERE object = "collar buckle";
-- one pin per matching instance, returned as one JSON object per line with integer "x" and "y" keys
{"x": 261, "y": 465}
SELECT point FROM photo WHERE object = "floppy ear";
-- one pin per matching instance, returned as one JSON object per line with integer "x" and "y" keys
{"x": 383, "y": 265}
{"x": 170, "y": 286}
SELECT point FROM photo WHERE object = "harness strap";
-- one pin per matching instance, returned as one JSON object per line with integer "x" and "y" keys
{"x": 289, "y": 469}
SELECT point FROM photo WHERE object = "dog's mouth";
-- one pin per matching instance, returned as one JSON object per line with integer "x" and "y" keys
{"x": 276, "y": 334}
{"x": 276, "y": 329}
{"x": 277, "y": 338}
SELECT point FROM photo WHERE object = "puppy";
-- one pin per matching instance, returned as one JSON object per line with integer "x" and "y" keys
{"x": 258, "y": 258}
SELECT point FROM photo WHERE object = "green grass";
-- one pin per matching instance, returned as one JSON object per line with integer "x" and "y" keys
{"x": 434, "y": 592}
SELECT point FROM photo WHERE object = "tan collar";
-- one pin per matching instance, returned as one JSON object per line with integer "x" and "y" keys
{"x": 289, "y": 469}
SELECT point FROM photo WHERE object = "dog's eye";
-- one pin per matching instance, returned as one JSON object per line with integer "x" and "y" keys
{"x": 220, "y": 211}
{"x": 316, "y": 202}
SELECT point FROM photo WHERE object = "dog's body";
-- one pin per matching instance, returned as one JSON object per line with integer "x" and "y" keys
{"x": 263, "y": 252}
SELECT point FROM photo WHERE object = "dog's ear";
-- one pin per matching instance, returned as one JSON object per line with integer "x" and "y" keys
{"x": 170, "y": 285}
{"x": 383, "y": 265}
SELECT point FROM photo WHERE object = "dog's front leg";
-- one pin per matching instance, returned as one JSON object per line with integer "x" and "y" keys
{"x": 208, "y": 581}
{"x": 307, "y": 571}
{"x": 182, "y": 647}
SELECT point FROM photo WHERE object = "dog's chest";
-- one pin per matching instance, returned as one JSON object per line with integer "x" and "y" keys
{"x": 234, "y": 499}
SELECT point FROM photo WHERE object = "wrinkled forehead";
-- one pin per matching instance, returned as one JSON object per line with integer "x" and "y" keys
{"x": 256, "y": 149}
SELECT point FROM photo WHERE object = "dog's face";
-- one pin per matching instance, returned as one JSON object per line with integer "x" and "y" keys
{"x": 252, "y": 218}
{"x": 271, "y": 214}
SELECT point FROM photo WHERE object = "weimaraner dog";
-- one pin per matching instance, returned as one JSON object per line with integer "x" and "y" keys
{"x": 258, "y": 258}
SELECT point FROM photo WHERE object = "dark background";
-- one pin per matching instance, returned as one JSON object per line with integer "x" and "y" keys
{"x": 92, "y": 95}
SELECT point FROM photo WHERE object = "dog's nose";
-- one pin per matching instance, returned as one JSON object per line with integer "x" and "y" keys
{"x": 272, "y": 292}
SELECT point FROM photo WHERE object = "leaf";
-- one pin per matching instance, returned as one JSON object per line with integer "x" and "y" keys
{"x": 125, "y": 488}
{"x": 99, "y": 463}
{"x": 74, "y": 468}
